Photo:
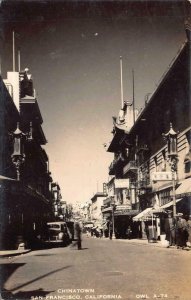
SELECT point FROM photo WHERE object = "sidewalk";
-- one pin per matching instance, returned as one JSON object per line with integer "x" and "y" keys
{"x": 146, "y": 243}
{"x": 9, "y": 253}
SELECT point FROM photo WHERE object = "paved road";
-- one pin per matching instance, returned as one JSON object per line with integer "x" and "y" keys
{"x": 104, "y": 269}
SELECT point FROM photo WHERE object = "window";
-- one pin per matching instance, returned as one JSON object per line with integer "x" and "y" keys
{"x": 164, "y": 160}
{"x": 165, "y": 196}
{"x": 187, "y": 162}
{"x": 155, "y": 162}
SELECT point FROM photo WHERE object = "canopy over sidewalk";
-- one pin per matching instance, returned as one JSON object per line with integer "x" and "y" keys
{"x": 148, "y": 213}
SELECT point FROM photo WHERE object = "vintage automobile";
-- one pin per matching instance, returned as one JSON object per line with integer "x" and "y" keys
{"x": 57, "y": 234}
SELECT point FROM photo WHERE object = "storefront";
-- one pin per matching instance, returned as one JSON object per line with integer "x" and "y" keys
{"x": 183, "y": 198}
{"x": 150, "y": 222}
{"x": 107, "y": 219}
{"x": 124, "y": 226}
{"x": 24, "y": 211}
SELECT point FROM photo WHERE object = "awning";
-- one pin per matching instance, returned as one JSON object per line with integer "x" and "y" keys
{"x": 170, "y": 203}
{"x": 157, "y": 211}
{"x": 149, "y": 213}
{"x": 142, "y": 214}
{"x": 184, "y": 188}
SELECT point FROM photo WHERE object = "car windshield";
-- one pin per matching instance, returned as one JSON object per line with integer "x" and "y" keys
{"x": 56, "y": 226}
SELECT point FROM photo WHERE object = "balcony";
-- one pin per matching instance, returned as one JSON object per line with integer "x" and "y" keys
{"x": 116, "y": 163}
{"x": 112, "y": 168}
{"x": 108, "y": 201}
{"x": 130, "y": 167}
{"x": 142, "y": 148}
{"x": 144, "y": 184}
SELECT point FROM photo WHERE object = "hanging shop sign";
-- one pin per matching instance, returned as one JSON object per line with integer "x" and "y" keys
{"x": 121, "y": 183}
{"x": 126, "y": 212}
{"x": 161, "y": 176}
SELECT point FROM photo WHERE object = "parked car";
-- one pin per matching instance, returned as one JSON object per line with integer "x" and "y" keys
{"x": 57, "y": 234}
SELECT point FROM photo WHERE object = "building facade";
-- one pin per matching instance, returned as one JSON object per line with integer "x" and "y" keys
{"x": 96, "y": 207}
{"x": 141, "y": 153}
{"x": 27, "y": 191}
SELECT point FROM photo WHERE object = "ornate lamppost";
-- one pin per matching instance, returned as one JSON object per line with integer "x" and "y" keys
{"x": 113, "y": 221}
{"x": 171, "y": 138}
{"x": 18, "y": 156}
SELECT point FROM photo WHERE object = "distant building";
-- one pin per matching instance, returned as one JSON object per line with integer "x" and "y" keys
{"x": 96, "y": 205}
{"x": 85, "y": 211}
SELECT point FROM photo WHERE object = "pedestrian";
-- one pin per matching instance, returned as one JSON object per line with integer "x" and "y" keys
{"x": 189, "y": 231}
{"x": 77, "y": 233}
{"x": 181, "y": 231}
{"x": 88, "y": 233}
{"x": 170, "y": 229}
{"x": 128, "y": 232}
{"x": 147, "y": 230}
{"x": 110, "y": 230}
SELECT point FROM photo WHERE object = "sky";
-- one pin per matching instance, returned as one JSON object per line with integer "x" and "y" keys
{"x": 73, "y": 50}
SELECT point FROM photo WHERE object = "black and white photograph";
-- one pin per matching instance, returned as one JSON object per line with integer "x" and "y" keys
{"x": 95, "y": 149}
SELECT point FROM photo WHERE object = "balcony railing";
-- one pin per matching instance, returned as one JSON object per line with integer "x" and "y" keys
{"x": 108, "y": 200}
{"x": 144, "y": 184}
{"x": 130, "y": 167}
{"x": 115, "y": 164}
{"x": 142, "y": 147}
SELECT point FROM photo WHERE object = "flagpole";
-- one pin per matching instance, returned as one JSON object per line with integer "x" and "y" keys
{"x": 133, "y": 96}
{"x": 13, "y": 51}
{"x": 121, "y": 73}
{"x": 19, "y": 61}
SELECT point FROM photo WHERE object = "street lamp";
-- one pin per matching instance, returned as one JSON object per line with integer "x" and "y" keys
{"x": 113, "y": 224}
{"x": 171, "y": 138}
{"x": 18, "y": 156}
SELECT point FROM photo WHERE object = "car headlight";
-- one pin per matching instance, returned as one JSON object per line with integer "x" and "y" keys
{"x": 60, "y": 235}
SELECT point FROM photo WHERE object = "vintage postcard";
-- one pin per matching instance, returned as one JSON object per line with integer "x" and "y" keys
{"x": 95, "y": 149}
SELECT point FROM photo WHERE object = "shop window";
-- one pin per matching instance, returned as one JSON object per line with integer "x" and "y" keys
{"x": 165, "y": 196}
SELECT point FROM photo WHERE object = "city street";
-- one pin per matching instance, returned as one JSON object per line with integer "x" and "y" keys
{"x": 103, "y": 269}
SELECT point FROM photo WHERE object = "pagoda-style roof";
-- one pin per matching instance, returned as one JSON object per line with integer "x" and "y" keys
{"x": 29, "y": 106}
{"x": 118, "y": 138}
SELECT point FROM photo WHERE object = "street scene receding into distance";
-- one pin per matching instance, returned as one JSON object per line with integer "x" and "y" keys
{"x": 95, "y": 150}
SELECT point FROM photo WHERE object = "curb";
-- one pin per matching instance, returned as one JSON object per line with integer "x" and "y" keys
{"x": 13, "y": 253}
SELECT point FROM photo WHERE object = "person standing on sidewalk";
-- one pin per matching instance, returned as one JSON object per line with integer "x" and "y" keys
{"x": 110, "y": 230}
{"x": 79, "y": 236}
{"x": 170, "y": 229}
{"x": 181, "y": 226}
{"x": 189, "y": 230}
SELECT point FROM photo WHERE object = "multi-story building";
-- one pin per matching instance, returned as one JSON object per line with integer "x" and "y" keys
{"x": 141, "y": 153}
{"x": 28, "y": 195}
{"x": 96, "y": 207}
{"x": 169, "y": 106}
{"x": 9, "y": 116}
{"x": 85, "y": 211}
{"x": 122, "y": 204}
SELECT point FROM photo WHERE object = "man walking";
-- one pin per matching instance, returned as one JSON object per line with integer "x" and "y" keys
{"x": 77, "y": 232}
